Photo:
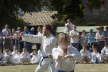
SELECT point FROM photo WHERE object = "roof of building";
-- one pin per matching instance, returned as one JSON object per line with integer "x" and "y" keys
{"x": 39, "y": 18}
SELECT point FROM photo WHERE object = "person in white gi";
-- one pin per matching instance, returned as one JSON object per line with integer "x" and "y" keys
{"x": 104, "y": 52}
{"x": 48, "y": 42}
{"x": 85, "y": 53}
{"x": 64, "y": 56}
{"x": 25, "y": 57}
{"x": 7, "y": 55}
{"x": 2, "y": 58}
{"x": 95, "y": 55}
{"x": 34, "y": 57}
{"x": 15, "y": 58}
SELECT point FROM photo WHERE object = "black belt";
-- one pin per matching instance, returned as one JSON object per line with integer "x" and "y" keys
{"x": 44, "y": 57}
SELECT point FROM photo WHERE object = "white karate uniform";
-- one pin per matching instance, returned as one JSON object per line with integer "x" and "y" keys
{"x": 25, "y": 56}
{"x": 15, "y": 59}
{"x": 35, "y": 59}
{"x": 65, "y": 64}
{"x": 85, "y": 53}
{"x": 104, "y": 51}
{"x": 48, "y": 43}
{"x": 95, "y": 57}
{"x": 7, "y": 57}
{"x": 1, "y": 58}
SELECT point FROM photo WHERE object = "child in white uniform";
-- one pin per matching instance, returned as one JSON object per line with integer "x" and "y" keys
{"x": 85, "y": 53}
{"x": 2, "y": 58}
{"x": 15, "y": 59}
{"x": 95, "y": 56}
{"x": 7, "y": 55}
{"x": 25, "y": 57}
{"x": 34, "y": 57}
{"x": 104, "y": 53}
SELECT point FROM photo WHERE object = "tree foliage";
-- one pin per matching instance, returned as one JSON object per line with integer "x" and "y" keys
{"x": 66, "y": 9}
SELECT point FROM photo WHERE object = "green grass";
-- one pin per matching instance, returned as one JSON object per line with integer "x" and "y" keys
{"x": 18, "y": 68}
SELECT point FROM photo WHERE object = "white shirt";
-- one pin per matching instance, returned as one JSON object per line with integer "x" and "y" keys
{"x": 35, "y": 58}
{"x": 86, "y": 53}
{"x": 39, "y": 34}
{"x": 99, "y": 37}
{"x": 7, "y": 56}
{"x": 95, "y": 57}
{"x": 6, "y": 32}
{"x": 66, "y": 64}
{"x": 66, "y": 27}
{"x": 15, "y": 59}
{"x": 25, "y": 55}
{"x": 75, "y": 39}
{"x": 104, "y": 51}
{"x": 47, "y": 43}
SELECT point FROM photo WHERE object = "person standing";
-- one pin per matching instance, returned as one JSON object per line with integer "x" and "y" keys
{"x": 74, "y": 38}
{"x": 100, "y": 38}
{"x": 106, "y": 34}
{"x": 6, "y": 35}
{"x": 48, "y": 42}
{"x": 90, "y": 39}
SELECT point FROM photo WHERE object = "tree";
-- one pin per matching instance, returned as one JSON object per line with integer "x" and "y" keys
{"x": 67, "y": 9}
{"x": 9, "y": 8}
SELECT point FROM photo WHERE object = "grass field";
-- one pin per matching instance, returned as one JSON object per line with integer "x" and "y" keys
{"x": 18, "y": 68}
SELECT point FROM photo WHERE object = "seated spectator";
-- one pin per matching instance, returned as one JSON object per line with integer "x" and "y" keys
{"x": 84, "y": 51}
{"x": 85, "y": 54}
{"x": 34, "y": 57}
{"x": 104, "y": 53}
{"x": 2, "y": 61}
{"x": 95, "y": 55}
{"x": 7, "y": 55}
{"x": 15, "y": 58}
{"x": 25, "y": 56}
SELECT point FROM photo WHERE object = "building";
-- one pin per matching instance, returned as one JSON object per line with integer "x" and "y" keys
{"x": 39, "y": 18}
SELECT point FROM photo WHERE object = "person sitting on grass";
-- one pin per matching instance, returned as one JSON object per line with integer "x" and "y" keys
{"x": 7, "y": 55}
{"x": 95, "y": 55}
{"x": 25, "y": 57}
{"x": 15, "y": 58}
{"x": 85, "y": 53}
{"x": 2, "y": 61}
{"x": 34, "y": 57}
{"x": 104, "y": 53}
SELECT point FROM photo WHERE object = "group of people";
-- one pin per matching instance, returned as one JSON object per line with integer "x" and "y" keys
{"x": 13, "y": 50}
{"x": 57, "y": 53}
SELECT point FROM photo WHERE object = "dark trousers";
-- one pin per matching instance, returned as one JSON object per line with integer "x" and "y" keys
{"x": 28, "y": 46}
{"x": 77, "y": 45}
{"x": 100, "y": 45}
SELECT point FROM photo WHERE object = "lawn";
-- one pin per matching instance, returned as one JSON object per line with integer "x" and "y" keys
{"x": 18, "y": 68}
